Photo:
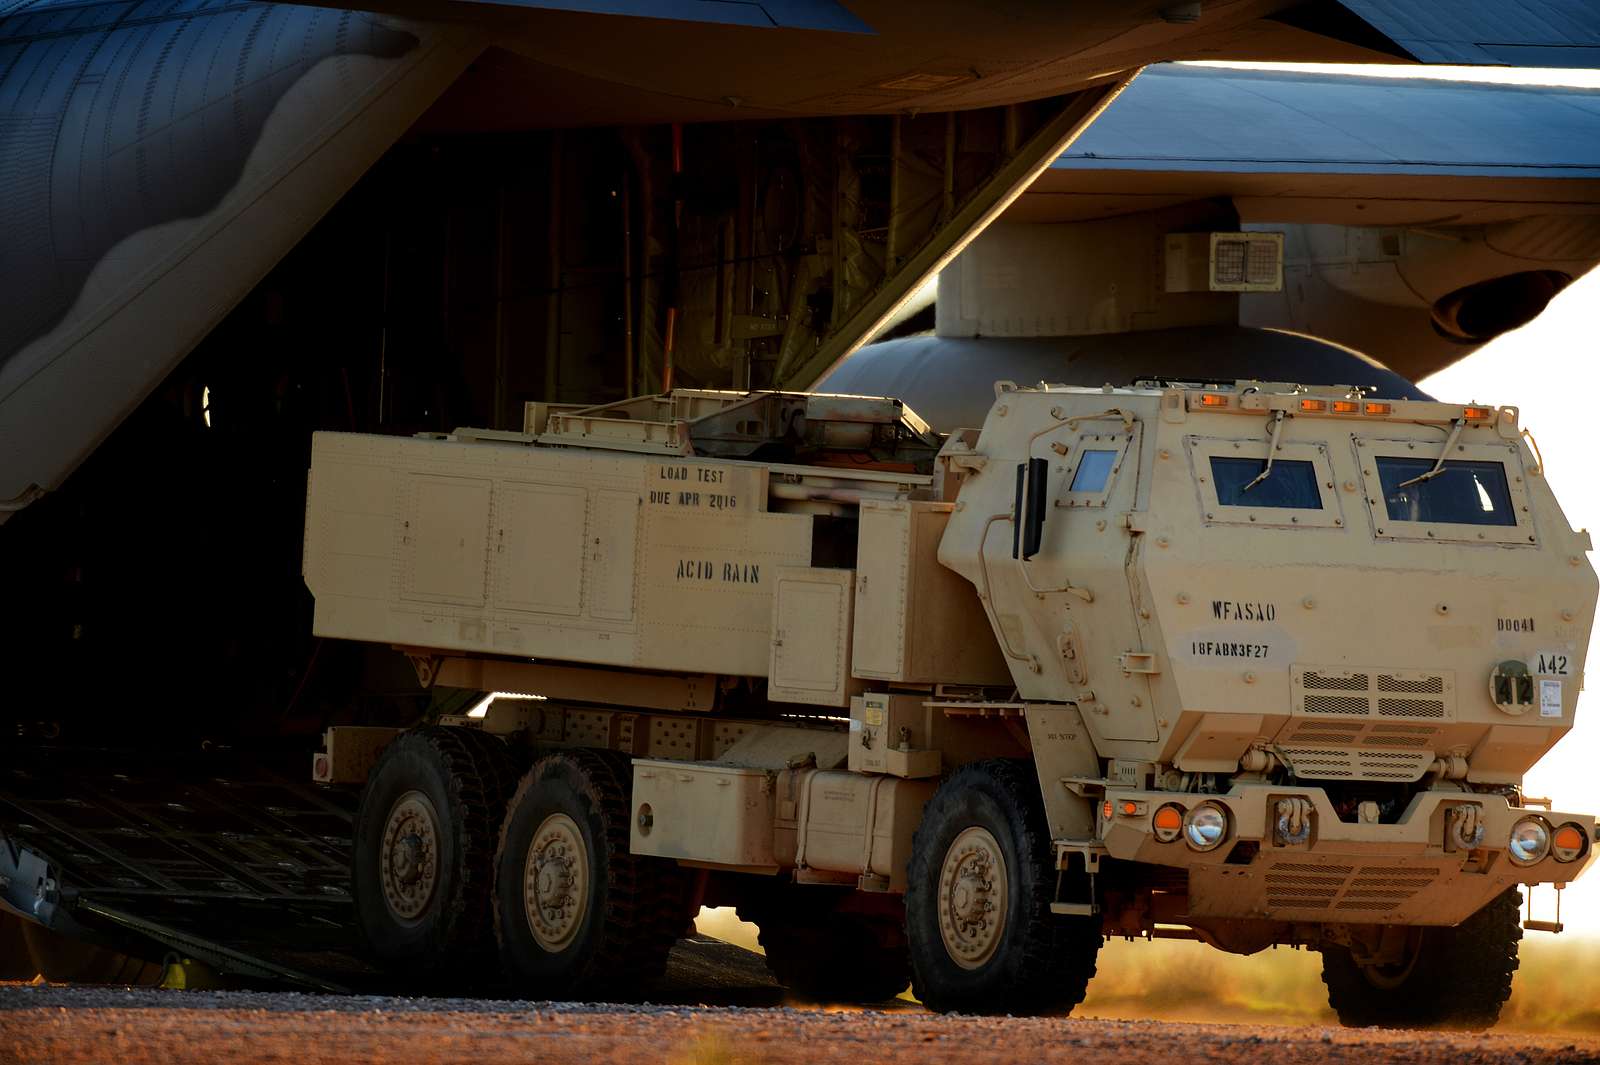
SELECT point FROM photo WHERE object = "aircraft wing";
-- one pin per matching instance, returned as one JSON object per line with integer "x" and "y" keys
{"x": 1527, "y": 33}
{"x": 1422, "y": 217}
{"x": 775, "y": 14}
{"x": 160, "y": 158}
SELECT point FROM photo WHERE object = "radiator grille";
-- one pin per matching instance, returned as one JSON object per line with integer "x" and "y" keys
{"x": 1409, "y": 707}
{"x": 1343, "y": 763}
{"x": 1336, "y": 681}
{"x": 1338, "y": 704}
{"x": 1313, "y": 732}
{"x": 1428, "y": 685}
{"x": 1342, "y": 888}
{"x": 1392, "y": 694}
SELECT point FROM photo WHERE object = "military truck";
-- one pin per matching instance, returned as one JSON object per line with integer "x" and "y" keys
{"x": 1249, "y": 663}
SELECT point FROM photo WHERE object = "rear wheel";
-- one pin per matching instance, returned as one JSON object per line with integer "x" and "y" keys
{"x": 1441, "y": 977}
{"x": 982, "y": 937}
{"x": 424, "y": 848}
{"x": 575, "y": 912}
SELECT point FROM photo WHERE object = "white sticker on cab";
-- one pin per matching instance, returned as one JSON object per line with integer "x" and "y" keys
{"x": 1549, "y": 698}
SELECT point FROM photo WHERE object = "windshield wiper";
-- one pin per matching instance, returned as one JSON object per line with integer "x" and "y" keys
{"x": 1272, "y": 451}
{"x": 1438, "y": 467}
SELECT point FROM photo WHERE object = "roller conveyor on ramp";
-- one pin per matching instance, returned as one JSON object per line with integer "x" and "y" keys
{"x": 194, "y": 855}
{"x": 244, "y": 869}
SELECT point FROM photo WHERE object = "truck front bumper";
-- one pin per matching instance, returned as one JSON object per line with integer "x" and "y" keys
{"x": 1415, "y": 871}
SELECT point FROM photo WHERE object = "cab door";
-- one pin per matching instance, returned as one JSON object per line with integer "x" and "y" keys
{"x": 1100, "y": 640}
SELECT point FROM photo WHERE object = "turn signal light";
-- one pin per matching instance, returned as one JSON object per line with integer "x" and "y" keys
{"x": 1213, "y": 399}
{"x": 1478, "y": 414}
{"x": 1379, "y": 409}
{"x": 1569, "y": 843}
{"x": 1313, "y": 406}
{"x": 1346, "y": 406}
{"x": 1168, "y": 823}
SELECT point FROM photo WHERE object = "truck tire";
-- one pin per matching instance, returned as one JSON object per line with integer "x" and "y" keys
{"x": 838, "y": 957}
{"x": 424, "y": 850}
{"x": 1451, "y": 978}
{"x": 983, "y": 939}
{"x": 575, "y": 912}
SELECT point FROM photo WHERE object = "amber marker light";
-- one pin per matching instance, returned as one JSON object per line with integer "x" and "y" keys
{"x": 1478, "y": 414}
{"x": 1569, "y": 843}
{"x": 1213, "y": 399}
{"x": 1346, "y": 406}
{"x": 1168, "y": 823}
{"x": 1313, "y": 406}
{"x": 1108, "y": 810}
{"x": 1379, "y": 409}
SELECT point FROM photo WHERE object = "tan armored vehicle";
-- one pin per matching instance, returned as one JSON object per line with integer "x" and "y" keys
{"x": 1252, "y": 664}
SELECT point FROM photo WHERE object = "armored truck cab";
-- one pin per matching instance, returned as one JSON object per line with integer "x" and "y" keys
{"x": 1340, "y": 629}
{"x": 1254, "y": 664}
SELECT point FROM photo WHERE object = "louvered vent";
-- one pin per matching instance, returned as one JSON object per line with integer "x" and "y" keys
{"x": 1344, "y": 763}
{"x": 1313, "y": 732}
{"x": 1366, "y": 889}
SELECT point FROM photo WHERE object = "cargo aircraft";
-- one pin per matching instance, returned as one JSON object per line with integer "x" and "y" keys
{"x": 227, "y": 225}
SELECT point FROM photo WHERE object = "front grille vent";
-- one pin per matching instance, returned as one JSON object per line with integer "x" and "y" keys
{"x": 1316, "y": 732}
{"x": 1354, "y": 890}
{"x": 1337, "y": 682}
{"x": 1425, "y": 685}
{"x": 1394, "y": 694}
{"x": 1355, "y": 706}
{"x": 1343, "y": 763}
{"x": 1433, "y": 708}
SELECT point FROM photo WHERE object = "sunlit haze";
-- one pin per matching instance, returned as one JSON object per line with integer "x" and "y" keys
{"x": 1549, "y": 369}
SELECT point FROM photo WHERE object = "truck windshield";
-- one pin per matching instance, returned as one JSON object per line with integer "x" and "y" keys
{"x": 1291, "y": 484}
{"x": 1464, "y": 493}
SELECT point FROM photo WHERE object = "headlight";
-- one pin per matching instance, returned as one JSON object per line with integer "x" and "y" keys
{"x": 1530, "y": 841}
{"x": 1167, "y": 824}
{"x": 1569, "y": 843}
{"x": 1206, "y": 826}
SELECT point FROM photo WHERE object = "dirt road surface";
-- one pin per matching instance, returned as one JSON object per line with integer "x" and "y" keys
{"x": 109, "y": 1026}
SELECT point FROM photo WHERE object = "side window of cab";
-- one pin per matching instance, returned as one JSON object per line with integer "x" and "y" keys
{"x": 1096, "y": 459}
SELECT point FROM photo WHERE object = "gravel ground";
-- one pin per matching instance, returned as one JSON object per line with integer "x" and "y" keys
{"x": 116, "y": 1026}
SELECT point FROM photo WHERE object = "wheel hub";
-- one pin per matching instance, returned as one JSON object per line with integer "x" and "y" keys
{"x": 973, "y": 889}
{"x": 408, "y": 858}
{"x": 556, "y": 880}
